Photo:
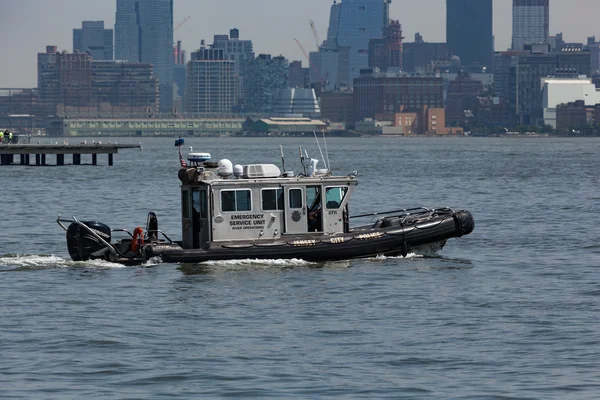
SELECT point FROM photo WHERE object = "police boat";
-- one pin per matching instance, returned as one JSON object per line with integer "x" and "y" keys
{"x": 259, "y": 212}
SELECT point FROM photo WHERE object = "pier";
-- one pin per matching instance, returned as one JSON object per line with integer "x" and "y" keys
{"x": 40, "y": 151}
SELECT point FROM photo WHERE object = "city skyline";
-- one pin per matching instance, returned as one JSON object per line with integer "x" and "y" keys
{"x": 288, "y": 20}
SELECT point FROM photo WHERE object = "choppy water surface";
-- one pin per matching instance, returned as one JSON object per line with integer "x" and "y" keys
{"x": 511, "y": 311}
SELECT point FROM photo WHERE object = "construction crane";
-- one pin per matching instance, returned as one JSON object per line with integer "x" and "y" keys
{"x": 313, "y": 27}
{"x": 315, "y": 70}
{"x": 181, "y": 23}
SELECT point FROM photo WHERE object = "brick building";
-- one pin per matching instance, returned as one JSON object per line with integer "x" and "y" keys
{"x": 381, "y": 93}
{"x": 64, "y": 78}
{"x": 576, "y": 116}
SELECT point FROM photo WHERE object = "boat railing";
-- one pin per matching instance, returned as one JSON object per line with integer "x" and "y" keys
{"x": 405, "y": 211}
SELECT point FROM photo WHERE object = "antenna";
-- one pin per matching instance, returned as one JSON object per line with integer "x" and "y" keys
{"x": 282, "y": 158}
{"x": 320, "y": 151}
{"x": 302, "y": 159}
{"x": 326, "y": 151}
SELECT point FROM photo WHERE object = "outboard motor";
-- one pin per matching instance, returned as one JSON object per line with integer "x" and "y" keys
{"x": 82, "y": 243}
{"x": 152, "y": 227}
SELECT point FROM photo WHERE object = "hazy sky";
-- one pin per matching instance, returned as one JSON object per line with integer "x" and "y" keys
{"x": 29, "y": 25}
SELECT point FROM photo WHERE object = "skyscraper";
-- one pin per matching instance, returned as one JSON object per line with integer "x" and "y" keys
{"x": 469, "y": 31}
{"x": 531, "y": 22}
{"x": 241, "y": 52}
{"x": 94, "y": 39}
{"x": 156, "y": 44}
{"x": 211, "y": 82}
{"x": 359, "y": 22}
{"x": 127, "y": 31}
{"x": 145, "y": 28}
{"x": 352, "y": 25}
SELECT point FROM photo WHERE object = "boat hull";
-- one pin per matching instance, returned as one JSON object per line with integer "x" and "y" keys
{"x": 390, "y": 236}
{"x": 360, "y": 243}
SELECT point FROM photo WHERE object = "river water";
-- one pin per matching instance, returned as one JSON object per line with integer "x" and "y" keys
{"x": 511, "y": 311}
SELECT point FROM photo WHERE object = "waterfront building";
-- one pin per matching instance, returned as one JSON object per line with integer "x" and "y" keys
{"x": 492, "y": 111}
{"x": 265, "y": 76}
{"x": 531, "y": 23}
{"x": 469, "y": 31}
{"x": 127, "y": 31}
{"x": 556, "y": 91}
{"x": 461, "y": 100}
{"x": 338, "y": 107}
{"x": 384, "y": 93}
{"x": 574, "y": 116}
{"x": 94, "y": 39}
{"x": 211, "y": 82}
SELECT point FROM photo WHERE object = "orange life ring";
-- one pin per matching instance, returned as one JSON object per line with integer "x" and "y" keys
{"x": 138, "y": 239}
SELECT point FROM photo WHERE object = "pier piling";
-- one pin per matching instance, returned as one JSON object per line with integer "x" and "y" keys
{"x": 7, "y": 152}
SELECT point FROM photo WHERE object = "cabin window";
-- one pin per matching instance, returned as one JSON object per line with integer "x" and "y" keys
{"x": 272, "y": 199}
{"x": 295, "y": 198}
{"x": 236, "y": 200}
{"x": 185, "y": 201}
{"x": 203, "y": 204}
{"x": 313, "y": 197}
{"x": 196, "y": 206}
{"x": 335, "y": 196}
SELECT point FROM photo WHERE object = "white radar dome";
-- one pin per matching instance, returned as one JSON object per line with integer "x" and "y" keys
{"x": 238, "y": 171}
{"x": 225, "y": 168}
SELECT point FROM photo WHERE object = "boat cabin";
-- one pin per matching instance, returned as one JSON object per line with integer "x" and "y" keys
{"x": 258, "y": 202}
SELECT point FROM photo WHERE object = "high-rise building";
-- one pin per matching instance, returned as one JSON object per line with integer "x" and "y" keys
{"x": 265, "y": 76}
{"x": 359, "y": 22}
{"x": 64, "y": 78}
{"x": 469, "y": 31}
{"x": 531, "y": 23}
{"x": 240, "y": 52}
{"x": 211, "y": 82}
{"x": 386, "y": 54}
{"x": 127, "y": 31}
{"x": 156, "y": 26}
{"x": 129, "y": 88}
{"x": 352, "y": 25}
{"x": 145, "y": 28}
{"x": 94, "y": 39}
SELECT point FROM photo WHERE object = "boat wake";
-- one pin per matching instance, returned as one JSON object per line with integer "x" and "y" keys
{"x": 265, "y": 264}
{"x": 32, "y": 262}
